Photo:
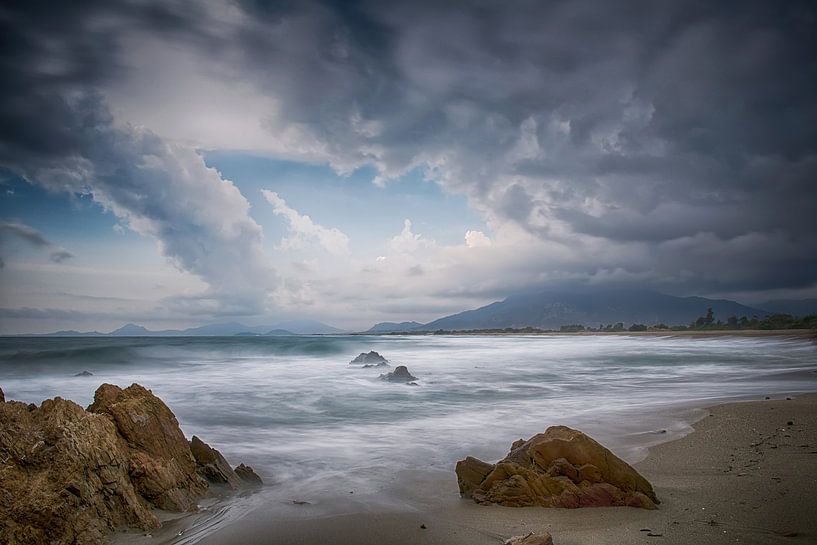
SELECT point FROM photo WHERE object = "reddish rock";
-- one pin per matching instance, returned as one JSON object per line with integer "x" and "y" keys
{"x": 559, "y": 468}
{"x": 162, "y": 466}
{"x": 73, "y": 476}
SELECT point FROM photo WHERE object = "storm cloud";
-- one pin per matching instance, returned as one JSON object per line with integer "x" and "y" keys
{"x": 658, "y": 142}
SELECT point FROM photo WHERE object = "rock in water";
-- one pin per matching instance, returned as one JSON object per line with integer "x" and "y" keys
{"x": 562, "y": 467}
{"x": 84, "y": 374}
{"x": 161, "y": 465}
{"x": 248, "y": 476}
{"x": 372, "y": 359}
{"x": 212, "y": 465}
{"x": 400, "y": 374}
{"x": 530, "y": 539}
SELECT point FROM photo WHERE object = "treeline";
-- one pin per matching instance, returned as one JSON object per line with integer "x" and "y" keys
{"x": 707, "y": 322}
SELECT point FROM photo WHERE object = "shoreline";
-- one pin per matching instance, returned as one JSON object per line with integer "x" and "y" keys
{"x": 710, "y": 472}
{"x": 792, "y": 333}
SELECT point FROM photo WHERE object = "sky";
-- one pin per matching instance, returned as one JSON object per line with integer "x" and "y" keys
{"x": 175, "y": 163}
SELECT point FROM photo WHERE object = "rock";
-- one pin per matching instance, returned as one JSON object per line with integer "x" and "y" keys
{"x": 212, "y": 465}
{"x": 162, "y": 467}
{"x": 400, "y": 374}
{"x": 372, "y": 359}
{"x": 2, "y": 396}
{"x": 562, "y": 467}
{"x": 248, "y": 476}
{"x": 530, "y": 539}
{"x": 84, "y": 374}
{"x": 65, "y": 476}
{"x": 71, "y": 475}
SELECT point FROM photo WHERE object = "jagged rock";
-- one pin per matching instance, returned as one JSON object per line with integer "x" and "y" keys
{"x": 212, "y": 465}
{"x": 161, "y": 465}
{"x": 84, "y": 374}
{"x": 71, "y": 475}
{"x": 562, "y": 467}
{"x": 65, "y": 477}
{"x": 372, "y": 359}
{"x": 530, "y": 539}
{"x": 2, "y": 396}
{"x": 248, "y": 476}
{"x": 400, "y": 374}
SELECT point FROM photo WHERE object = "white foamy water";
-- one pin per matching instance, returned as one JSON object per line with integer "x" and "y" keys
{"x": 316, "y": 427}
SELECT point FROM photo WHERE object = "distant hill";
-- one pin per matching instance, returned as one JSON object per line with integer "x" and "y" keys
{"x": 795, "y": 307}
{"x": 297, "y": 327}
{"x": 306, "y": 327}
{"x": 394, "y": 327}
{"x": 593, "y": 306}
{"x": 130, "y": 330}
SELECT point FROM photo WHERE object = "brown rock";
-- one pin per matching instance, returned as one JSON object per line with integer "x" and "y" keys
{"x": 212, "y": 465}
{"x": 162, "y": 467}
{"x": 2, "y": 396}
{"x": 248, "y": 476}
{"x": 559, "y": 468}
{"x": 65, "y": 476}
{"x": 530, "y": 539}
{"x": 72, "y": 476}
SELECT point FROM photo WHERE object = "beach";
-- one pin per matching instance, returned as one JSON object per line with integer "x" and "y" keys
{"x": 745, "y": 474}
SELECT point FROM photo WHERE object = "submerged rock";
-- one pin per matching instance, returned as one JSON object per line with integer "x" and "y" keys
{"x": 400, "y": 374}
{"x": 71, "y": 475}
{"x": 562, "y": 467}
{"x": 84, "y": 374}
{"x": 372, "y": 359}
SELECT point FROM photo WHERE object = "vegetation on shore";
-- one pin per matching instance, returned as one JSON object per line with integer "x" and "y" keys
{"x": 706, "y": 322}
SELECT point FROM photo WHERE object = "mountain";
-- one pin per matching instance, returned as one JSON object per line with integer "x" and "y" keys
{"x": 306, "y": 327}
{"x": 272, "y": 333}
{"x": 394, "y": 327}
{"x": 795, "y": 307}
{"x": 592, "y": 306}
{"x": 73, "y": 333}
{"x": 131, "y": 330}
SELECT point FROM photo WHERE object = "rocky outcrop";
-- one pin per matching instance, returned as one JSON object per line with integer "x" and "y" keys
{"x": 212, "y": 465}
{"x": 162, "y": 467}
{"x": 84, "y": 374}
{"x": 372, "y": 359}
{"x": 400, "y": 374}
{"x": 562, "y": 467}
{"x": 70, "y": 475}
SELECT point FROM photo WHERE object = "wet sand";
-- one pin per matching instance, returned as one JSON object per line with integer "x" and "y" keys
{"x": 744, "y": 475}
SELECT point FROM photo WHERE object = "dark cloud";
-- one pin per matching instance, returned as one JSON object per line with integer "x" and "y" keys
{"x": 57, "y": 131}
{"x": 685, "y": 129}
{"x": 35, "y": 238}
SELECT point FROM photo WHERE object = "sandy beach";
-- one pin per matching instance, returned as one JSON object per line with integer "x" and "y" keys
{"x": 744, "y": 475}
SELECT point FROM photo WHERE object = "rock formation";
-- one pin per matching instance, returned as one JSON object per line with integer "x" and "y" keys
{"x": 400, "y": 374}
{"x": 372, "y": 359}
{"x": 248, "y": 476}
{"x": 84, "y": 374}
{"x": 562, "y": 467}
{"x": 72, "y": 476}
{"x": 212, "y": 465}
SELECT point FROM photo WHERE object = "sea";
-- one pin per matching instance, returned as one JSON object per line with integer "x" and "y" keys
{"x": 315, "y": 427}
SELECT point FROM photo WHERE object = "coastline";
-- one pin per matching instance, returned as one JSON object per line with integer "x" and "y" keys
{"x": 742, "y": 475}
{"x": 714, "y": 333}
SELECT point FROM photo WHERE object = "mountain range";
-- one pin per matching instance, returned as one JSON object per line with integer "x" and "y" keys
{"x": 551, "y": 309}
{"x": 291, "y": 327}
